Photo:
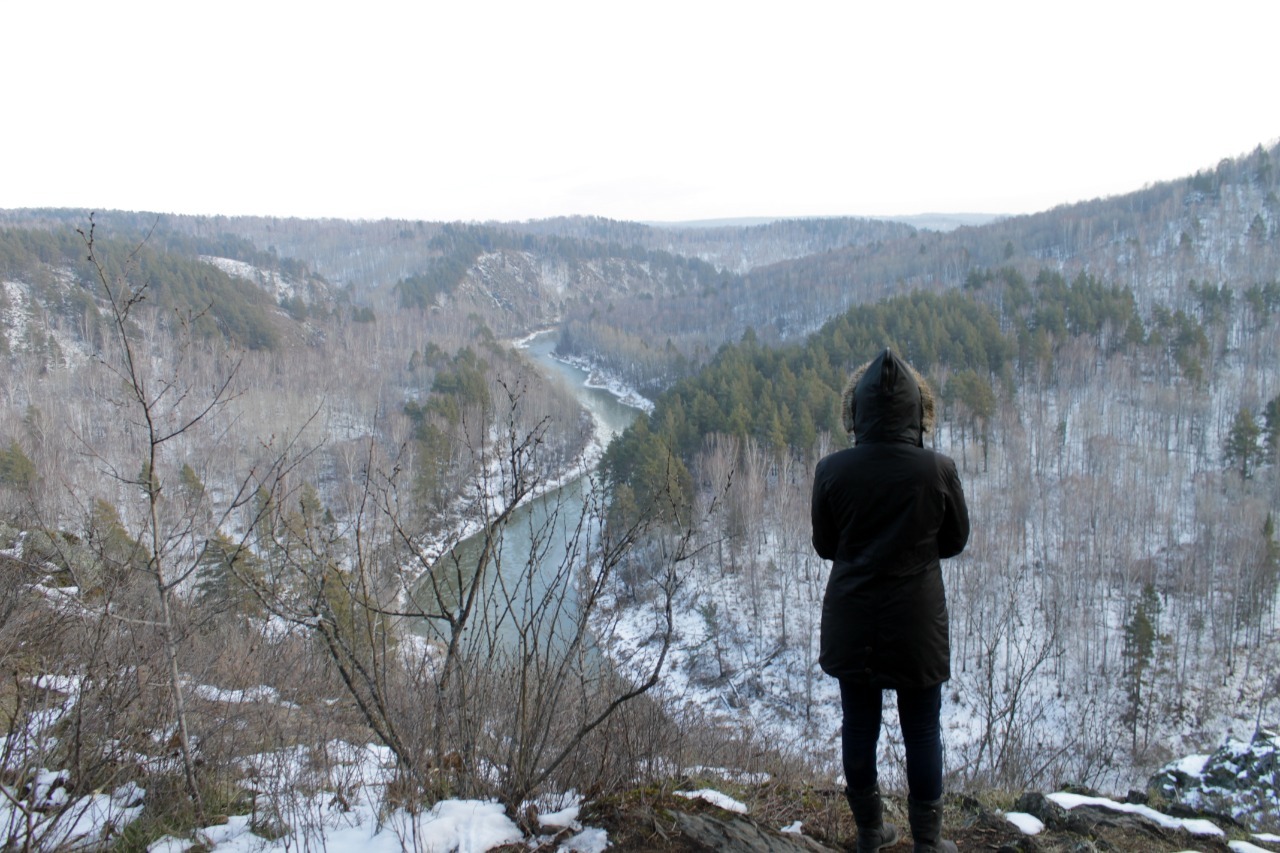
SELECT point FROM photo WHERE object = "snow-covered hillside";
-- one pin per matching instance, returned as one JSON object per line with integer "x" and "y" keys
{"x": 283, "y": 288}
{"x": 1116, "y": 605}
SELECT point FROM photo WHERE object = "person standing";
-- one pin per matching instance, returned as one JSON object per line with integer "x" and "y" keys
{"x": 885, "y": 512}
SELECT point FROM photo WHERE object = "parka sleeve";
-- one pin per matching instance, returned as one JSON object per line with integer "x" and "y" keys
{"x": 825, "y": 536}
{"x": 954, "y": 532}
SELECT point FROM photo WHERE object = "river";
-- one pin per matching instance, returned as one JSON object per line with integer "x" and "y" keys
{"x": 544, "y": 546}
{"x": 611, "y": 414}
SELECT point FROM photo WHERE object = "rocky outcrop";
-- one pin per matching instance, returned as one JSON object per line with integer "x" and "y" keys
{"x": 1240, "y": 779}
{"x": 709, "y": 832}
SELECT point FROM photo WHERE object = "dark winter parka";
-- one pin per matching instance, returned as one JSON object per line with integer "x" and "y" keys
{"x": 886, "y": 511}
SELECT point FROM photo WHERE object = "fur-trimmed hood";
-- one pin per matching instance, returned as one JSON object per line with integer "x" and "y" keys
{"x": 887, "y": 400}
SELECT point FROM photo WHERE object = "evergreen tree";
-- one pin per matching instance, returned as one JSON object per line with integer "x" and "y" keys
{"x": 1242, "y": 447}
{"x": 1258, "y": 229}
{"x": 16, "y": 469}
{"x": 977, "y": 402}
{"x": 1141, "y": 638}
{"x": 192, "y": 485}
{"x": 227, "y": 578}
{"x": 1271, "y": 430}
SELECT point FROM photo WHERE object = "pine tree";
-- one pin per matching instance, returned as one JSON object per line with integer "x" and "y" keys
{"x": 1141, "y": 638}
{"x": 1242, "y": 447}
{"x": 1271, "y": 430}
{"x": 227, "y": 578}
{"x": 16, "y": 469}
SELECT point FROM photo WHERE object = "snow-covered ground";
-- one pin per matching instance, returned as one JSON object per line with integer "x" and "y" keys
{"x": 602, "y": 379}
{"x": 279, "y": 286}
{"x": 1199, "y": 827}
{"x": 351, "y": 817}
{"x": 1096, "y": 485}
{"x": 25, "y": 329}
{"x": 295, "y": 810}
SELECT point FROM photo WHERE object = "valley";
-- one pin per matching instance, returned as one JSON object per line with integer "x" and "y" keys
{"x": 231, "y": 446}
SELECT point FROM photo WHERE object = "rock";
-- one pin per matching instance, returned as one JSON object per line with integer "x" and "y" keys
{"x": 1082, "y": 790}
{"x": 1238, "y": 778}
{"x": 1052, "y": 815}
{"x": 741, "y": 835}
{"x": 1080, "y": 822}
{"x": 1179, "y": 810}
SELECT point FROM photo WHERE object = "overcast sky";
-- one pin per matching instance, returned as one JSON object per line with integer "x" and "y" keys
{"x": 654, "y": 110}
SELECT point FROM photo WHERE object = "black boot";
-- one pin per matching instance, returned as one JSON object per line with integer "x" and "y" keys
{"x": 926, "y": 827}
{"x": 868, "y": 814}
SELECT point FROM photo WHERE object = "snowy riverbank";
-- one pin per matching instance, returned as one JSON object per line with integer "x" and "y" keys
{"x": 466, "y": 522}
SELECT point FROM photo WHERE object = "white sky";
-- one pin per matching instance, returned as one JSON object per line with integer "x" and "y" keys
{"x": 654, "y": 110}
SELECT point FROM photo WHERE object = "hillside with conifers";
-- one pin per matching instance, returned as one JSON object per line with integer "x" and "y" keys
{"x": 984, "y": 339}
{"x": 262, "y": 482}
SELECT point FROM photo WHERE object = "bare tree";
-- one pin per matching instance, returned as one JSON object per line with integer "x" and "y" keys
{"x": 162, "y": 407}
{"x": 473, "y": 659}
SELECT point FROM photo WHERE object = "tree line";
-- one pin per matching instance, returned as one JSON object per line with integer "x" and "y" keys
{"x": 190, "y": 291}
{"x": 973, "y": 342}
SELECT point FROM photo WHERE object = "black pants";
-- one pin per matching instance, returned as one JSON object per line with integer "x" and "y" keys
{"x": 919, "y": 711}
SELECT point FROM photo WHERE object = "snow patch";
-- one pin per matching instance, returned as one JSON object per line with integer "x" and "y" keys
{"x": 587, "y": 841}
{"x": 1027, "y": 824}
{"x": 1192, "y": 765}
{"x": 261, "y": 693}
{"x": 1246, "y": 847}
{"x": 1196, "y": 826}
{"x": 717, "y": 799}
{"x": 277, "y": 285}
{"x": 54, "y": 821}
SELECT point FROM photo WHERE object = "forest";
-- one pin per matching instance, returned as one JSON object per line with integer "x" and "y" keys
{"x": 269, "y": 486}
{"x": 1124, "y": 571}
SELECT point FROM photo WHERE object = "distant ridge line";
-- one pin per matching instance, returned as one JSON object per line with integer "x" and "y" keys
{"x": 927, "y": 221}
